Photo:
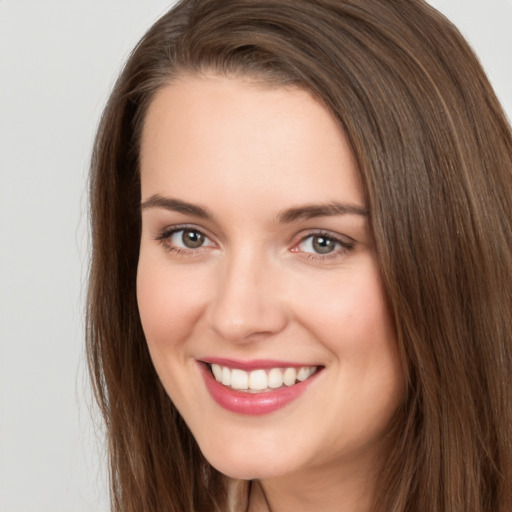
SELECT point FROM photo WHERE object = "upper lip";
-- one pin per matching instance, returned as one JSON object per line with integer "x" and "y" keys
{"x": 254, "y": 364}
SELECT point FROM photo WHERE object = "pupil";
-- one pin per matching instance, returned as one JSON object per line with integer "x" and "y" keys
{"x": 322, "y": 244}
{"x": 192, "y": 239}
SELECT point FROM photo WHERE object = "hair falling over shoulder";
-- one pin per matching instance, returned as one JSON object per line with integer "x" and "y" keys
{"x": 434, "y": 151}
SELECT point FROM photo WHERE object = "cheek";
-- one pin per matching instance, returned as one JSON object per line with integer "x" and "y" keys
{"x": 351, "y": 318}
{"x": 170, "y": 306}
{"x": 170, "y": 303}
{"x": 349, "y": 313}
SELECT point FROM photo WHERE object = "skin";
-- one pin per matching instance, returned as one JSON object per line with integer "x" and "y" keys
{"x": 258, "y": 289}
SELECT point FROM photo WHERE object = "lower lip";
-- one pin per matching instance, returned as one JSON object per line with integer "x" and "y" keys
{"x": 253, "y": 403}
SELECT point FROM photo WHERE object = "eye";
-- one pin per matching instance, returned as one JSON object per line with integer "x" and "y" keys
{"x": 187, "y": 238}
{"x": 184, "y": 239}
{"x": 320, "y": 244}
{"x": 323, "y": 244}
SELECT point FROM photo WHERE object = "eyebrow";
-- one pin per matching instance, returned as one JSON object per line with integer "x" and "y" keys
{"x": 175, "y": 205}
{"x": 288, "y": 216}
{"x": 320, "y": 210}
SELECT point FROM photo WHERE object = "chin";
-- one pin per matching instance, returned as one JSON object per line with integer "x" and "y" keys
{"x": 245, "y": 470}
{"x": 242, "y": 464}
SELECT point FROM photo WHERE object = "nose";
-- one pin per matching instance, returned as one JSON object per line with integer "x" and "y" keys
{"x": 246, "y": 304}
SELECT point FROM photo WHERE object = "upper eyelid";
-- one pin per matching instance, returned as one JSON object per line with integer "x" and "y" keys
{"x": 169, "y": 230}
{"x": 165, "y": 235}
{"x": 327, "y": 234}
{"x": 345, "y": 243}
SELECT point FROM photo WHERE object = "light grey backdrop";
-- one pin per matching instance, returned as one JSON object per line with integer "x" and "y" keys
{"x": 58, "y": 60}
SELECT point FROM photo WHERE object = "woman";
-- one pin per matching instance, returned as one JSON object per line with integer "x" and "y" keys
{"x": 301, "y": 280}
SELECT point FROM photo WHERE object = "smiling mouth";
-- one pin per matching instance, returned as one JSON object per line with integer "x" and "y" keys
{"x": 261, "y": 380}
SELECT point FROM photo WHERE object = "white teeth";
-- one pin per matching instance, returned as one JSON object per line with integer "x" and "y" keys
{"x": 305, "y": 372}
{"x": 239, "y": 379}
{"x": 259, "y": 380}
{"x": 290, "y": 376}
{"x": 226, "y": 376}
{"x": 275, "y": 378}
{"x": 217, "y": 372}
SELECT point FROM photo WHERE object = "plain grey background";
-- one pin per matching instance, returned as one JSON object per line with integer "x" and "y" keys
{"x": 58, "y": 60}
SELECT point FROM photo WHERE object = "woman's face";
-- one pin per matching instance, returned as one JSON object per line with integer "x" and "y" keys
{"x": 257, "y": 269}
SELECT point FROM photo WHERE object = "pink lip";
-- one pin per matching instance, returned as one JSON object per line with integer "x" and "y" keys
{"x": 253, "y": 403}
{"x": 255, "y": 364}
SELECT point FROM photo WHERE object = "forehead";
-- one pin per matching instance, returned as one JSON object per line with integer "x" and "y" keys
{"x": 238, "y": 136}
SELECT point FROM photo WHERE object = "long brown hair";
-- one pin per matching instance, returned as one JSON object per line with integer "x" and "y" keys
{"x": 434, "y": 152}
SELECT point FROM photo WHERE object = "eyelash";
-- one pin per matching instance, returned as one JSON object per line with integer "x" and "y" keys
{"x": 344, "y": 246}
{"x": 166, "y": 234}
